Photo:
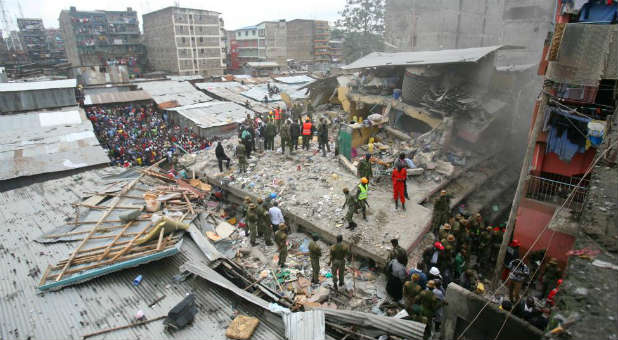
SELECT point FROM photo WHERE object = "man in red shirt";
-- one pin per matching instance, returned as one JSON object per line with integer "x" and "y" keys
{"x": 399, "y": 177}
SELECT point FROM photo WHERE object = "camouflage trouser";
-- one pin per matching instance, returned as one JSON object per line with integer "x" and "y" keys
{"x": 252, "y": 231}
{"x": 338, "y": 270}
{"x": 283, "y": 254}
{"x": 242, "y": 164}
{"x": 266, "y": 230}
{"x": 350, "y": 214}
{"x": 315, "y": 266}
{"x": 284, "y": 142}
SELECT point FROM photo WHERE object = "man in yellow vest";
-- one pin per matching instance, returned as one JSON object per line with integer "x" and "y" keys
{"x": 362, "y": 195}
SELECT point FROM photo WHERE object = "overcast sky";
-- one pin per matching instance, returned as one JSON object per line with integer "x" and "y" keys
{"x": 236, "y": 13}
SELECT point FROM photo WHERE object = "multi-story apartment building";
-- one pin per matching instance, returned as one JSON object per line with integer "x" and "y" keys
{"x": 55, "y": 44}
{"x": 266, "y": 41}
{"x": 185, "y": 41}
{"x": 103, "y": 38}
{"x": 34, "y": 40}
{"x": 308, "y": 41}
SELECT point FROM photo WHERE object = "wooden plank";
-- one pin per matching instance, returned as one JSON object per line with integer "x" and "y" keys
{"x": 105, "y": 215}
{"x": 128, "y": 246}
{"x": 102, "y": 207}
{"x": 45, "y": 274}
{"x": 109, "y": 246}
{"x": 123, "y": 327}
{"x": 189, "y": 203}
{"x": 160, "y": 238}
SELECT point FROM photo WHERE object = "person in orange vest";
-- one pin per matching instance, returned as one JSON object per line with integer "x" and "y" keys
{"x": 278, "y": 118}
{"x": 307, "y": 133}
{"x": 399, "y": 177}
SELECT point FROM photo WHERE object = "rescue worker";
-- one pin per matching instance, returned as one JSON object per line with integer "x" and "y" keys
{"x": 484, "y": 258}
{"x": 397, "y": 253}
{"x": 364, "y": 167}
{"x": 284, "y": 134}
{"x": 259, "y": 210}
{"x": 252, "y": 220}
{"x": 399, "y": 177}
{"x": 315, "y": 252}
{"x": 269, "y": 134}
{"x": 294, "y": 134}
{"x": 268, "y": 231}
{"x": 550, "y": 276}
{"x": 221, "y": 156}
{"x": 307, "y": 133}
{"x": 281, "y": 238}
{"x": 241, "y": 153}
{"x": 323, "y": 137}
{"x": 351, "y": 203}
{"x": 411, "y": 290}
{"x": 428, "y": 303}
{"x": 245, "y": 209}
{"x": 362, "y": 195}
{"x": 496, "y": 242}
{"x": 338, "y": 253}
{"x": 278, "y": 118}
{"x": 441, "y": 208}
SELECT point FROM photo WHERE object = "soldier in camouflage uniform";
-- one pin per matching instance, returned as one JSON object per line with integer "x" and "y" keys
{"x": 411, "y": 290}
{"x": 428, "y": 302}
{"x": 338, "y": 253}
{"x": 252, "y": 220}
{"x": 268, "y": 231}
{"x": 364, "y": 167}
{"x": 241, "y": 153}
{"x": 315, "y": 252}
{"x": 441, "y": 209}
{"x": 284, "y": 133}
{"x": 260, "y": 215}
{"x": 397, "y": 253}
{"x": 351, "y": 203}
{"x": 281, "y": 238}
{"x": 484, "y": 258}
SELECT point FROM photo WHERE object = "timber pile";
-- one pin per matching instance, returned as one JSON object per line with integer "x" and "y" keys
{"x": 112, "y": 232}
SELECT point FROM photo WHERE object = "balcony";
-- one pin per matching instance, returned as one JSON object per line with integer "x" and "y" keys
{"x": 557, "y": 191}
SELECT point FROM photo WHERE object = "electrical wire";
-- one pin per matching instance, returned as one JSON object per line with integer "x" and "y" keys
{"x": 537, "y": 239}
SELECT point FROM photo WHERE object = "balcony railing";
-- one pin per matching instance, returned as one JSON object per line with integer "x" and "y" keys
{"x": 557, "y": 192}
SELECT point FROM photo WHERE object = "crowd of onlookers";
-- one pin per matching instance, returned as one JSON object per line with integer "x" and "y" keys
{"x": 141, "y": 134}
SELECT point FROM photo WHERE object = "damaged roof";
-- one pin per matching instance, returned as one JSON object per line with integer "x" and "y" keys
{"x": 301, "y": 79}
{"x": 181, "y": 92}
{"x": 38, "y": 85}
{"x": 462, "y": 55}
{"x": 47, "y": 141}
{"x": 215, "y": 113}
{"x": 108, "y": 301}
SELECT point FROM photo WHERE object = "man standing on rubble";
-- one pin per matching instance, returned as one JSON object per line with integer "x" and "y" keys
{"x": 252, "y": 219}
{"x": 441, "y": 209}
{"x": 276, "y": 216}
{"x": 294, "y": 134}
{"x": 338, "y": 254}
{"x": 281, "y": 238}
{"x": 269, "y": 134}
{"x": 284, "y": 133}
{"x": 362, "y": 195}
{"x": 323, "y": 137}
{"x": 221, "y": 156}
{"x": 351, "y": 203}
{"x": 364, "y": 167}
{"x": 260, "y": 216}
{"x": 241, "y": 153}
{"x": 399, "y": 177}
{"x": 307, "y": 133}
{"x": 315, "y": 252}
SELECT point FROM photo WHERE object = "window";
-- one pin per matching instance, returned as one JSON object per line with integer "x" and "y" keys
{"x": 201, "y": 39}
{"x": 183, "y": 40}
{"x": 201, "y": 51}
{"x": 252, "y": 32}
{"x": 246, "y": 33}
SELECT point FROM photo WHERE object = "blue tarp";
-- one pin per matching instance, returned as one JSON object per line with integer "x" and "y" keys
{"x": 598, "y": 11}
{"x": 558, "y": 140}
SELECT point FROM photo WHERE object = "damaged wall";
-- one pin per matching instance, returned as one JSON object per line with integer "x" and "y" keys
{"x": 463, "y": 306}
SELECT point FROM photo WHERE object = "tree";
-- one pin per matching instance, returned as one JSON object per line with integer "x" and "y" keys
{"x": 362, "y": 26}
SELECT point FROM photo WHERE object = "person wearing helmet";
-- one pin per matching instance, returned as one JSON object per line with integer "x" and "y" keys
{"x": 281, "y": 237}
{"x": 362, "y": 193}
{"x": 364, "y": 167}
{"x": 307, "y": 133}
{"x": 441, "y": 209}
{"x": 350, "y": 202}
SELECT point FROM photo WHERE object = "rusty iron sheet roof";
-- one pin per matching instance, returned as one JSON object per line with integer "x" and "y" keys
{"x": 116, "y": 97}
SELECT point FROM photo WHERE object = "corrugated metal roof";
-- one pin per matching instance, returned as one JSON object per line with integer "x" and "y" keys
{"x": 305, "y": 325}
{"x": 38, "y": 85}
{"x": 181, "y": 92}
{"x": 302, "y": 79}
{"x": 399, "y": 327}
{"x": 116, "y": 97}
{"x": 258, "y": 92}
{"x": 108, "y": 301}
{"x": 48, "y": 141}
{"x": 183, "y": 78}
{"x": 462, "y": 55}
{"x": 215, "y": 113}
{"x": 232, "y": 91}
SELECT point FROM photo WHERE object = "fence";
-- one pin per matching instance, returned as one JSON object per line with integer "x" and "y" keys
{"x": 557, "y": 192}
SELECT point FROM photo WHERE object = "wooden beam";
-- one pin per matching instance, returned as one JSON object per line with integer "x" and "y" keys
{"x": 189, "y": 203}
{"x": 109, "y": 246}
{"x": 105, "y": 215}
{"x": 103, "y": 331}
{"x": 128, "y": 246}
{"x": 160, "y": 238}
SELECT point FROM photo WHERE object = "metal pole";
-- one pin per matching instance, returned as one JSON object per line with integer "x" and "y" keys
{"x": 523, "y": 176}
